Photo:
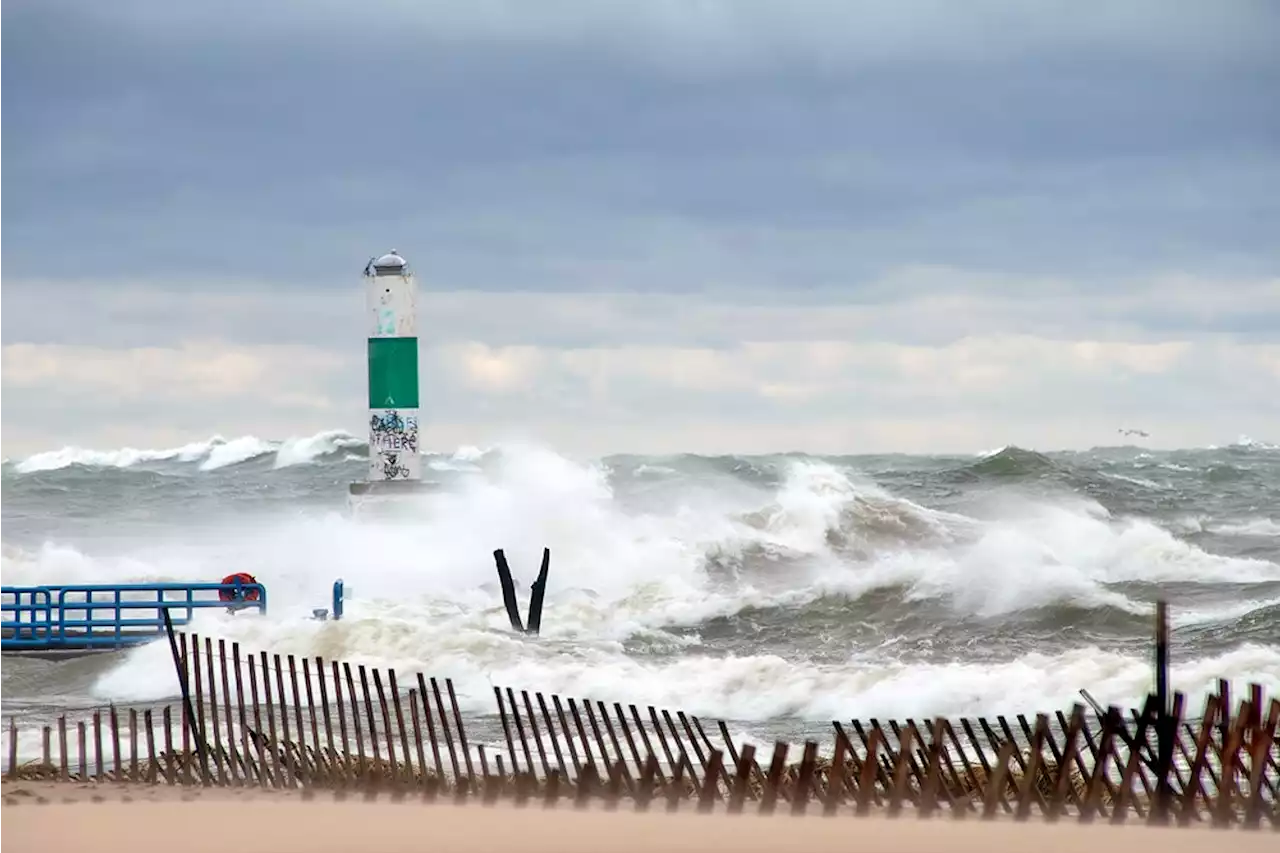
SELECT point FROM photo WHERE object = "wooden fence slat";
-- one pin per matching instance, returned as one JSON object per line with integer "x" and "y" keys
{"x": 84, "y": 751}
{"x": 708, "y": 796}
{"x": 492, "y": 783}
{"x": 213, "y": 714}
{"x": 1133, "y": 767}
{"x": 269, "y": 744}
{"x": 333, "y": 769}
{"x": 300, "y": 746}
{"x": 996, "y": 782}
{"x": 1208, "y": 725}
{"x": 169, "y": 770}
{"x": 431, "y": 729}
{"x": 506, "y": 729}
{"x": 372, "y": 726}
{"x": 269, "y": 770}
{"x": 63, "y": 773}
{"x": 605, "y": 759}
{"x": 236, "y": 758}
{"x": 1224, "y": 809}
{"x": 675, "y": 788}
{"x": 644, "y": 788}
{"x": 254, "y": 771}
{"x": 1063, "y": 789}
{"x": 386, "y": 724}
{"x": 743, "y": 778}
{"x": 675, "y": 736}
{"x": 1260, "y": 750}
{"x": 321, "y": 765}
{"x": 416, "y": 717}
{"x": 199, "y": 730}
{"x": 614, "y": 792}
{"x": 361, "y": 766}
{"x": 448, "y": 736}
{"x": 568, "y": 735}
{"x": 188, "y": 724}
{"x": 626, "y": 734}
{"x": 1022, "y": 763}
{"x": 1077, "y": 729}
{"x": 773, "y": 782}
{"x": 907, "y": 752}
{"x": 13, "y": 747}
{"x": 621, "y": 759}
{"x": 804, "y": 778}
{"x": 961, "y": 799}
{"x": 693, "y": 741}
{"x": 555, "y": 744}
{"x": 662, "y": 740}
{"x": 836, "y": 775}
{"x": 932, "y": 770}
{"x": 1031, "y": 779}
{"x": 151, "y": 747}
{"x": 902, "y": 769}
{"x": 586, "y": 784}
{"x": 537, "y": 736}
{"x": 1100, "y": 757}
{"x": 98, "y": 758}
{"x": 406, "y": 759}
{"x": 462, "y": 732}
{"x": 1143, "y": 729}
{"x": 133, "y": 744}
{"x": 116, "y": 762}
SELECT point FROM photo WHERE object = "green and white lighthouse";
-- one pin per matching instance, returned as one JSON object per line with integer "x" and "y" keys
{"x": 392, "y": 308}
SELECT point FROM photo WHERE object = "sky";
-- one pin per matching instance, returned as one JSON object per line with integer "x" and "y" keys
{"x": 676, "y": 225}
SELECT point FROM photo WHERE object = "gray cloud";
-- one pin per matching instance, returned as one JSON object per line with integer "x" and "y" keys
{"x": 919, "y": 306}
{"x": 640, "y": 146}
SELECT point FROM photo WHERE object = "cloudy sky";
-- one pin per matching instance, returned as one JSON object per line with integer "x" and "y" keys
{"x": 706, "y": 225}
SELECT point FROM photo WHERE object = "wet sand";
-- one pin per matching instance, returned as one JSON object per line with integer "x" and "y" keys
{"x": 56, "y": 817}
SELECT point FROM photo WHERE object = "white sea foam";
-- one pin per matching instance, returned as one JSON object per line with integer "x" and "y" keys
{"x": 1265, "y": 527}
{"x": 124, "y": 457}
{"x": 303, "y": 451}
{"x": 745, "y": 688}
{"x": 211, "y": 454}
{"x": 423, "y": 596}
{"x": 1244, "y": 442}
{"x": 236, "y": 451}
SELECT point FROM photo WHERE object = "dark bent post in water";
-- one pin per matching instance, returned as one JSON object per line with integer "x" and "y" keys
{"x": 197, "y": 724}
{"x": 508, "y": 591}
{"x": 539, "y": 589}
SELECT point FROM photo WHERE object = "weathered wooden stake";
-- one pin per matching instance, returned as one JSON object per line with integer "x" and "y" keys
{"x": 537, "y": 592}
{"x": 508, "y": 591}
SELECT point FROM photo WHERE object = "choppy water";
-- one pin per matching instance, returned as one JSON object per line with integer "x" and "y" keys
{"x": 775, "y": 591}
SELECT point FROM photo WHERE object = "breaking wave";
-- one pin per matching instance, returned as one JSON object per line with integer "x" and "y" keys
{"x": 743, "y": 588}
{"x": 208, "y": 455}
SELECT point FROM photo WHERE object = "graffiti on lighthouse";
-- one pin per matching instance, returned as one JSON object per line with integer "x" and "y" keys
{"x": 392, "y": 437}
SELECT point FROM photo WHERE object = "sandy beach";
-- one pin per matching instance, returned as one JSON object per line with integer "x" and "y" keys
{"x": 56, "y": 817}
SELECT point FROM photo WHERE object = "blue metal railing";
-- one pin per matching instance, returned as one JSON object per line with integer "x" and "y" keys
{"x": 98, "y": 616}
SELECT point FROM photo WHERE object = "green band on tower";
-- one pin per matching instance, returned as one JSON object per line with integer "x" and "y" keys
{"x": 393, "y": 373}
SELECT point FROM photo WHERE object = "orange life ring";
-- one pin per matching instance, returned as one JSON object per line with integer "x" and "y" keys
{"x": 245, "y": 595}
